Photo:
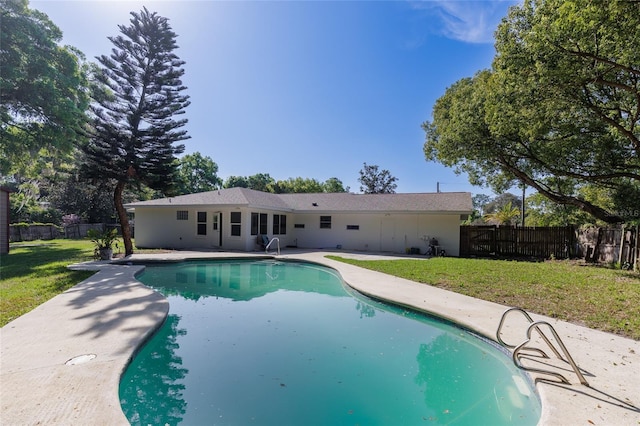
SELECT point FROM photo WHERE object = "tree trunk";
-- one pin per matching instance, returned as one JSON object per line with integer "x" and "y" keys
{"x": 123, "y": 218}
{"x": 593, "y": 210}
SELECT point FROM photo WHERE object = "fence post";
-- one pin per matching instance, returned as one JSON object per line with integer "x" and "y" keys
{"x": 494, "y": 240}
{"x": 572, "y": 241}
{"x": 623, "y": 234}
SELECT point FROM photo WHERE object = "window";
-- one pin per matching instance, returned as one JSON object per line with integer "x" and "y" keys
{"x": 236, "y": 224}
{"x": 353, "y": 227}
{"x": 182, "y": 215}
{"x": 279, "y": 224}
{"x": 325, "y": 222}
{"x": 263, "y": 223}
{"x": 258, "y": 223}
{"x": 215, "y": 222}
{"x": 299, "y": 226}
{"x": 202, "y": 223}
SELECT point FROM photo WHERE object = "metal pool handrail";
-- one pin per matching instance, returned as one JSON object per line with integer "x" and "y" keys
{"x": 528, "y": 317}
{"x": 569, "y": 359}
{"x": 534, "y": 325}
{"x": 277, "y": 240}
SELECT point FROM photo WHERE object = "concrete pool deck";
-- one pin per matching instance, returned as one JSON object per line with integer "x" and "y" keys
{"x": 99, "y": 324}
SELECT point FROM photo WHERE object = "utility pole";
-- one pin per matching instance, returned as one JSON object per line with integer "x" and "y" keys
{"x": 524, "y": 187}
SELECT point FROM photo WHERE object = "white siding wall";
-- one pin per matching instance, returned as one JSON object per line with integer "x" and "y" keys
{"x": 159, "y": 228}
{"x": 378, "y": 232}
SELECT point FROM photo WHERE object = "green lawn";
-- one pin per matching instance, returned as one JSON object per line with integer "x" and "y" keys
{"x": 600, "y": 298}
{"x": 34, "y": 272}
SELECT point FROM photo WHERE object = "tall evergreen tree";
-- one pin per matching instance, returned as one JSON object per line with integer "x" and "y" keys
{"x": 135, "y": 101}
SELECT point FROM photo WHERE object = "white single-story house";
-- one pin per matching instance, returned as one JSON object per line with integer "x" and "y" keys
{"x": 237, "y": 218}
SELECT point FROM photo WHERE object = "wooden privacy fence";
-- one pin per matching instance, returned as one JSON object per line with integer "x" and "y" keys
{"x": 610, "y": 245}
{"x": 513, "y": 242}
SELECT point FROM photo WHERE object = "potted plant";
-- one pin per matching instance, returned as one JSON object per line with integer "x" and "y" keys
{"x": 104, "y": 242}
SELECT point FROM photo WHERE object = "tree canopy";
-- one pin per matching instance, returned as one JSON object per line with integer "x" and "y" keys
{"x": 265, "y": 183}
{"x": 297, "y": 185}
{"x": 135, "y": 101}
{"x": 376, "y": 181}
{"x": 333, "y": 185}
{"x": 507, "y": 214}
{"x": 559, "y": 111}
{"x": 197, "y": 174}
{"x": 42, "y": 91}
{"x": 307, "y": 185}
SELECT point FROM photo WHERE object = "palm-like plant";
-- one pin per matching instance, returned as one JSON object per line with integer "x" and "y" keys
{"x": 507, "y": 215}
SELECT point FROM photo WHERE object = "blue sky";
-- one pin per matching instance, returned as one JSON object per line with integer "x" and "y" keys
{"x": 310, "y": 89}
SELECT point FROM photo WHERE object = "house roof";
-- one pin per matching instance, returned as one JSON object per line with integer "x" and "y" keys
{"x": 459, "y": 202}
{"x": 223, "y": 197}
{"x": 450, "y": 202}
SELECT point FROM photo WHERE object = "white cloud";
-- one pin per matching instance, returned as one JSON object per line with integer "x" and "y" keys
{"x": 469, "y": 21}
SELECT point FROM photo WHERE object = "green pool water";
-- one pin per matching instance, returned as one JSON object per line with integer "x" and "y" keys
{"x": 287, "y": 343}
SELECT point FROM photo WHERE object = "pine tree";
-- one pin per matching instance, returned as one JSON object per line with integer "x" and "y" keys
{"x": 137, "y": 95}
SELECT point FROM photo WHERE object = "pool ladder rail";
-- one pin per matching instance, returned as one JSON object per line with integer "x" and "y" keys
{"x": 277, "y": 240}
{"x": 535, "y": 325}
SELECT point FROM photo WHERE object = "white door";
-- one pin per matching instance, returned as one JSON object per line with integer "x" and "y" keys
{"x": 387, "y": 235}
{"x": 216, "y": 231}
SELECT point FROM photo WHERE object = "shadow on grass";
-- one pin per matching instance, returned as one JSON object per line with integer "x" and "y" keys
{"x": 41, "y": 260}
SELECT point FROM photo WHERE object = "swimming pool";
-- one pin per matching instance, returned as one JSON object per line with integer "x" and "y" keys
{"x": 269, "y": 342}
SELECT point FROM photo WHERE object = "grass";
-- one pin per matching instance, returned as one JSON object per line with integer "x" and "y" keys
{"x": 599, "y": 298}
{"x": 34, "y": 272}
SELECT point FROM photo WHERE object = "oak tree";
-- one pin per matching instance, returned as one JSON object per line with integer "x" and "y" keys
{"x": 43, "y": 96}
{"x": 559, "y": 111}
